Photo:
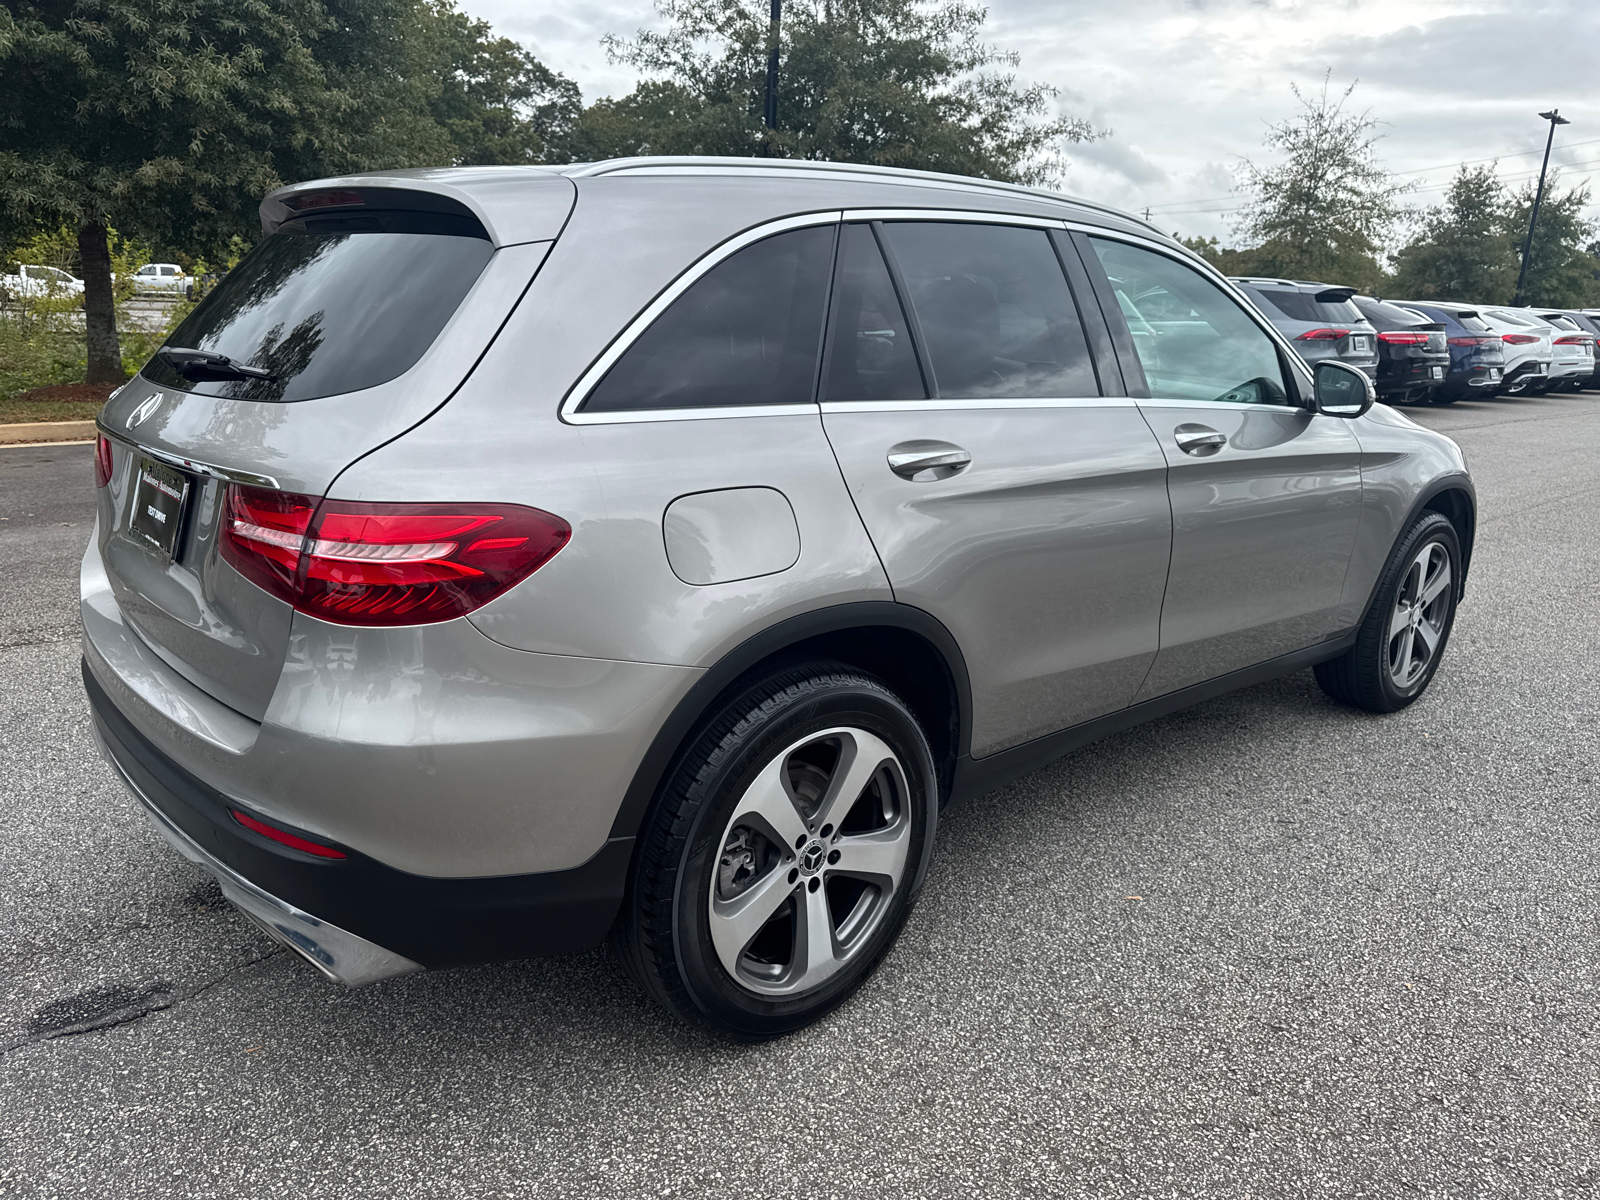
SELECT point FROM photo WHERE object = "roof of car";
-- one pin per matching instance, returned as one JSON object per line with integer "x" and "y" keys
{"x": 507, "y": 199}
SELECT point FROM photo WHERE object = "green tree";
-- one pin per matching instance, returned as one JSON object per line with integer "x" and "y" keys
{"x": 496, "y": 102}
{"x": 902, "y": 83}
{"x": 1326, "y": 209}
{"x": 1560, "y": 267}
{"x": 1463, "y": 248}
{"x": 169, "y": 119}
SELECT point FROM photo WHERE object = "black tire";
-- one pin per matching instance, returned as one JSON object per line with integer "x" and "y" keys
{"x": 1366, "y": 675}
{"x": 664, "y": 936}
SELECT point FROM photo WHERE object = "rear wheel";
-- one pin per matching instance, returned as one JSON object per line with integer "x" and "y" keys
{"x": 783, "y": 854}
{"x": 1403, "y": 637}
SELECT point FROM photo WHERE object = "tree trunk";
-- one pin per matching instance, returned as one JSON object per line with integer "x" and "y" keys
{"x": 99, "y": 306}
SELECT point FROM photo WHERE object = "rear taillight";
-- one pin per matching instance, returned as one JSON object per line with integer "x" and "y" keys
{"x": 1574, "y": 340}
{"x": 385, "y": 564}
{"x": 1399, "y": 338}
{"x": 1472, "y": 341}
{"x": 102, "y": 460}
{"x": 1518, "y": 339}
{"x": 1322, "y": 335}
{"x": 283, "y": 837}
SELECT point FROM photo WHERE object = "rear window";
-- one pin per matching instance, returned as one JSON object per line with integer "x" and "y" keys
{"x": 1304, "y": 306}
{"x": 332, "y": 304}
{"x": 1473, "y": 323}
{"x": 1389, "y": 316}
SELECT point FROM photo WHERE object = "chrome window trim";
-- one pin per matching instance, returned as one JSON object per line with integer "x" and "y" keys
{"x": 1229, "y": 288}
{"x": 1229, "y": 405}
{"x": 957, "y": 216}
{"x": 579, "y": 392}
{"x": 977, "y": 403}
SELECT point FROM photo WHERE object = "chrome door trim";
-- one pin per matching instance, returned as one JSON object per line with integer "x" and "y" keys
{"x": 1227, "y": 405}
{"x": 590, "y": 379}
{"x": 952, "y": 215}
{"x": 1228, "y": 286}
{"x": 996, "y": 402}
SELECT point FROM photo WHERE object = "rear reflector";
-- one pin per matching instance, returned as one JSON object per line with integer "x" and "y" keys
{"x": 1322, "y": 335}
{"x": 1402, "y": 338}
{"x": 293, "y": 841}
{"x": 385, "y": 564}
{"x": 102, "y": 460}
{"x": 1518, "y": 339}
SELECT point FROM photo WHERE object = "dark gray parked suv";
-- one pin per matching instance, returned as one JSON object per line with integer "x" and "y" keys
{"x": 501, "y": 559}
{"x": 1320, "y": 320}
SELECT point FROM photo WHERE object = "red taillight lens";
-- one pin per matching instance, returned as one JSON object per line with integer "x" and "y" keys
{"x": 284, "y": 837}
{"x": 1322, "y": 335}
{"x": 1401, "y": 338}
{"x": 1518, "y": 339}
{"x": 386, "y": 564}
{"x": 102, "y": 460}
{"x": 1472, "y": 341}
{"x": 1573, "y": 340}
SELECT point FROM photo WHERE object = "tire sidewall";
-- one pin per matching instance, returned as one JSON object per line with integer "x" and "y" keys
{"x": 848, "y": 701}
{"x": 1434, "y": 528}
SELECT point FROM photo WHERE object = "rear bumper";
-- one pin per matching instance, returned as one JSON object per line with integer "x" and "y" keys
{"x": 356, "y": 919}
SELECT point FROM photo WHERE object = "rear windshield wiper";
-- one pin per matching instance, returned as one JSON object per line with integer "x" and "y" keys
{"x": 206, "y": 365}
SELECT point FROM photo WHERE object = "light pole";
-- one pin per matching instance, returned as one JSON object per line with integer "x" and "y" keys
{"x": 1555, "y": 118}
{"x": 770, "y": 108}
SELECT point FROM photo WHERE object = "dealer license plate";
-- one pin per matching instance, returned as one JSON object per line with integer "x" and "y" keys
{"x": 1359, "y": 342}
{"x": 159, "y": 499}
{"x": 1541, "y": 368}
{"x": 1436, "y": 372}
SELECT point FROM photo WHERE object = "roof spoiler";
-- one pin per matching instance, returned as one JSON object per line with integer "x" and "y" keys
{"x": 1334, "y": 295}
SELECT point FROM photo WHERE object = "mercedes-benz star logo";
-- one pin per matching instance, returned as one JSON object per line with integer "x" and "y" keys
{"x": 145, "y": 409}
{"x": 812, "y": 857}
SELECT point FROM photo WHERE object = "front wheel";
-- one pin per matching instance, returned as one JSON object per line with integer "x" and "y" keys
{"x": 783, "y": 855}
{"x": 1404, "y": 634}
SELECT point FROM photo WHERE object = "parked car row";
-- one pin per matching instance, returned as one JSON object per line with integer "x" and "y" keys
{"x": 32, "y": 281}
{"x": 1433, "y": 352}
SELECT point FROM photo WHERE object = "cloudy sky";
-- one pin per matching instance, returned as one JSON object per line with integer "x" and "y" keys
{"x": 1187, "y": 87}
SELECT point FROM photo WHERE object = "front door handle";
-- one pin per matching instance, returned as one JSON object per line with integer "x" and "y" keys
{"x": 924, "y": 461}
{"x": 1199, "y": 440}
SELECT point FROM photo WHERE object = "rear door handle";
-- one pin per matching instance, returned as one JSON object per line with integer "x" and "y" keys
{"x": 1199, "y": 440}
{"x": 924, "y": 461}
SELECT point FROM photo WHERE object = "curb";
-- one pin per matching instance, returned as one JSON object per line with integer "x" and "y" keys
{"x": 46, "y": 431}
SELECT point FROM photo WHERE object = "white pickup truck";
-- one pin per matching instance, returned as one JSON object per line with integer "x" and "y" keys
{"x": 33, "y": 281}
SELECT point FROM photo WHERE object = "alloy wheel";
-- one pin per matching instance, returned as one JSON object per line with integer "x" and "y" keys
{"x": 1421, "y": 611}
{"x": 813, "y": 854}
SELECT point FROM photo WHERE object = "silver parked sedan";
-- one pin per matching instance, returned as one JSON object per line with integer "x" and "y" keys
{"x": 504, "y": 559}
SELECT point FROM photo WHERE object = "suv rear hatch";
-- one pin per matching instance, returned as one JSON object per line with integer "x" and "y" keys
{"x": 359, "y": 313}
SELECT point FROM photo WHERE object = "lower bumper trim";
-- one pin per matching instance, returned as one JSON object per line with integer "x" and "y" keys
{"x": 339, "y": 954}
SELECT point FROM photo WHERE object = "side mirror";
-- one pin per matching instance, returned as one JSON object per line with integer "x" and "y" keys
{"x": 1341, "y": 390}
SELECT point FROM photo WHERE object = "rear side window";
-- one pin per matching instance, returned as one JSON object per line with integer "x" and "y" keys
{"x": 993, "y": 309}
{"x": 1193, "y": 340}
{"x": 746, "y": 332}
{"x": 870, "y": 356}
{"x": 332, "y": 305}
{"x": 1304, "y": 306}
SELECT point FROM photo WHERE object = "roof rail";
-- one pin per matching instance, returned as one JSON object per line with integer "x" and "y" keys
{"x": 707, "y": 164}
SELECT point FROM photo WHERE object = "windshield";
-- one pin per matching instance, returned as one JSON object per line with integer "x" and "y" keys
{"x": 1304, "y": 306}
{"x": 331, "y": 305}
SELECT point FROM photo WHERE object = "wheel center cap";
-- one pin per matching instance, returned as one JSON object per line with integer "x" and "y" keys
{"x": 812, "y": 858}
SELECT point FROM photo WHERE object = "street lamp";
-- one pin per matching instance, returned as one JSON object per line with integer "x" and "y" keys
{"x": 1555, "y": 118}
{"x": 769, "y": 110}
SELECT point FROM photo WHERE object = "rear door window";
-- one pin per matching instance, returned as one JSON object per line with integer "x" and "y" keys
{"x": 333, "y": 304}
{"x": 993, "y": 309}
{"x": 870, "y": 356}
{"x": 1193, "y": 340}
{"x": 747, "y": 332}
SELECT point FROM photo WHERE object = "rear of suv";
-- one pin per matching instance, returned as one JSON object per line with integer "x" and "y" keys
{"x": 1413, "y": 354}
{"x": 1320, "y": 320}
{"x": 501, "y": 560}
{"x": 1477, "y": 354}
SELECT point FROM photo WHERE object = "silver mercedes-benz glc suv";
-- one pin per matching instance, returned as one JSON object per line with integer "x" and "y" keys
{"x": 503, "y": 560}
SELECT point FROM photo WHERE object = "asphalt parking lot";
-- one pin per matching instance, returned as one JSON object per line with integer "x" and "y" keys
{"x": 1268, "y": 947}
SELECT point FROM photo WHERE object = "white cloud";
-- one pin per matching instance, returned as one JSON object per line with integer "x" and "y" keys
{"x": 1188, "y": 87}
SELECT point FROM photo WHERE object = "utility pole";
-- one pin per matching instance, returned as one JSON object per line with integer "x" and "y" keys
{"x": 770, "y": 109}
{"x": 1555, "y": 118}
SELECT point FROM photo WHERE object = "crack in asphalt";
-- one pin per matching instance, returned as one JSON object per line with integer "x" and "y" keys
{"x": 160, "y": 996}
